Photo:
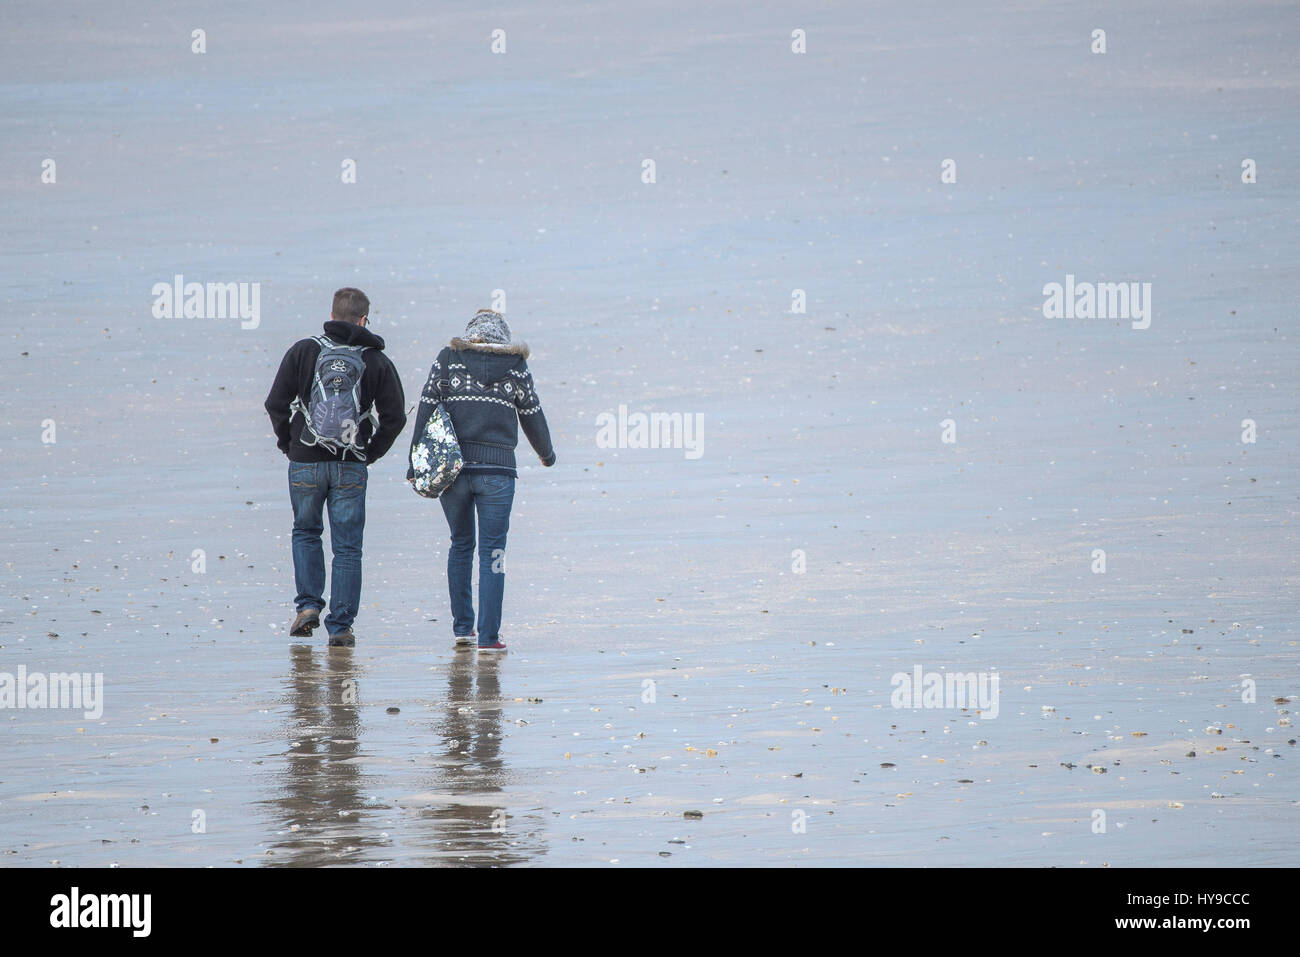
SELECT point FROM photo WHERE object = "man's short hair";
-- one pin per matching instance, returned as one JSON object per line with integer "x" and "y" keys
{"x": 350, "y": 305}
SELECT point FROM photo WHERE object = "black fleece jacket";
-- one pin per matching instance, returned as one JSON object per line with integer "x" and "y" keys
{"x": 488, "y": 391}
{"x": 380, "y": 386}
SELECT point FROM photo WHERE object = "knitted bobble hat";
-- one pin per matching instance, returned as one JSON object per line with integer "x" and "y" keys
{"x": 488, "y": 326}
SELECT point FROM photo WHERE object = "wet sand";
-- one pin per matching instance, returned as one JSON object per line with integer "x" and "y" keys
{"x": 771, "y": 704}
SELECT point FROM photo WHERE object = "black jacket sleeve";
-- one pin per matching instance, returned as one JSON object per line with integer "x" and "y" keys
{"x": 430, "y": 396}
{"x": 283, "y": 391}
{"x": 390, "y": 405}
{"x": 533, "y": 419}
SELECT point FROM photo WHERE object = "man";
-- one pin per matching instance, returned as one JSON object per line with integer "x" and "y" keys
{"x": 336, "y": 406}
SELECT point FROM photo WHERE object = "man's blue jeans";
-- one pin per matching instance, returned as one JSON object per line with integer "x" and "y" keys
{"x": 342, "y": 487}
{"x": 491, "y": 496}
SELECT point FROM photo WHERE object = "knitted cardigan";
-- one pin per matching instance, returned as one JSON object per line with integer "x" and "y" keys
{"x": 488, "y": 392}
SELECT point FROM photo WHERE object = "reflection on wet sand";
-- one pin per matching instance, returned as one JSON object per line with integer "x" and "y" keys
{"x": 461, "y": 814}
{"x": 320, "y": 800}
{"x": 478, "y": 825}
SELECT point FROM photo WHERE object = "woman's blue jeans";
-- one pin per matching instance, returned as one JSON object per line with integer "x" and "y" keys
{"x": 490, "y": 496}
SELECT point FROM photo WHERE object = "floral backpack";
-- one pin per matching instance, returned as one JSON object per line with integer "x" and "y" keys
{"x": 436, "y": 458}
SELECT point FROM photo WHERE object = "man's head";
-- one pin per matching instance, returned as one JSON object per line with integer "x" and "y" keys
{"x": 351, "y": 305}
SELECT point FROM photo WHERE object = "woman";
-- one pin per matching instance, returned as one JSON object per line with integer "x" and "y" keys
{"x": 484, "y": 384}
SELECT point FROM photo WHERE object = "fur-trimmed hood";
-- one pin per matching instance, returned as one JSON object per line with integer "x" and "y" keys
{"x": 500, "y": 348}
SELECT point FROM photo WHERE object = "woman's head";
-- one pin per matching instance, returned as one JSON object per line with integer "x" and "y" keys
{"x": 488, "y": 326}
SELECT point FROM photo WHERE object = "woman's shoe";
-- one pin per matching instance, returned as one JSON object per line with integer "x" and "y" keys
{"x": 464, "y": 641}
{"x": 498, "y": 645}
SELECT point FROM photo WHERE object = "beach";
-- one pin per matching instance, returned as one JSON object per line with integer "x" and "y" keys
{"x": 900, "y": 465}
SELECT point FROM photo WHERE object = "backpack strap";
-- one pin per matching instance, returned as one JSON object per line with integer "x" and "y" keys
{"x": 297, "y": 405}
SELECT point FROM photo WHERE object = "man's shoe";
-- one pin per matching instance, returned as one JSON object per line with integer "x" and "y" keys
{"x": 307, "y": 620}
{"x": 344, "y": 639}
{"x": 496, "y": 646}
{"x": 464, "y": 641}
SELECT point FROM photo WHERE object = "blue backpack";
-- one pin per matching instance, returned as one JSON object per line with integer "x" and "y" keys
{"x": 332, "y": 416}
